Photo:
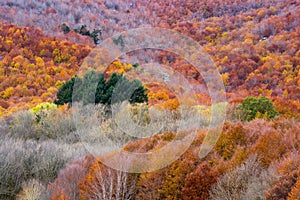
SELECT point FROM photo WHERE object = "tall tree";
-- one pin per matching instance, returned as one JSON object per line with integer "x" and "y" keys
{"x": 92, "y": 88}
{"x": 64, "y": 94}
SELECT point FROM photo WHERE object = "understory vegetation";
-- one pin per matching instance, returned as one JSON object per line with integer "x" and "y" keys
{"x": 48, "y": 153}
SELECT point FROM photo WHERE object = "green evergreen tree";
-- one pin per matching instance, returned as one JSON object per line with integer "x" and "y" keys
{"x": 139, "y": 95}
{"x": 65, "y": 28}
{"x": 109, "y": 89}
{"x": 92, "y": 88}
{"x": 64, "y": 94}
{"x": 89, "y": 85}
{"x": 253, "y": 107}
{"x": 101, "y": 89}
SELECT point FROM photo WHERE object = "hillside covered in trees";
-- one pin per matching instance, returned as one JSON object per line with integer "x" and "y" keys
{"x": 49, "y": 137}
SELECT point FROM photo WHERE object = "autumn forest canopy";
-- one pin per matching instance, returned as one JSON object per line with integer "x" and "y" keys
{"x": 58, "y": 104}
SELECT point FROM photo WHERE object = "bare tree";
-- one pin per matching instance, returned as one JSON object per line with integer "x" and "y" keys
{"x": 110, "y": 184}
{"x": 22, "y": 160}
{"x": 246, "y": 182}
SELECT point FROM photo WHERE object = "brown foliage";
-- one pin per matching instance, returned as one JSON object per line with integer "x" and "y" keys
{"x": 287, "y": 170}
{"x": 231, "y": 137}
{"x": 269, "y": 147}
{"x": 198, "y": 183}
{"x": 295, "y": 192}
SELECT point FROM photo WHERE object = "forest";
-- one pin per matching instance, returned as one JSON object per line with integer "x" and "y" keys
{"x": 72, "y": 129}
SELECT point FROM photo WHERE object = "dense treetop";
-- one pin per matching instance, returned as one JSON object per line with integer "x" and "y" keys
{"x": 255, "y": 45}
{"x": 93, "y": 88}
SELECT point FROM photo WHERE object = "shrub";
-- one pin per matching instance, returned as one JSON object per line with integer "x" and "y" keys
{"x": 44, "y": 106}
{"x": 42, "y": 109}
{"x": 33, "y": 190}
